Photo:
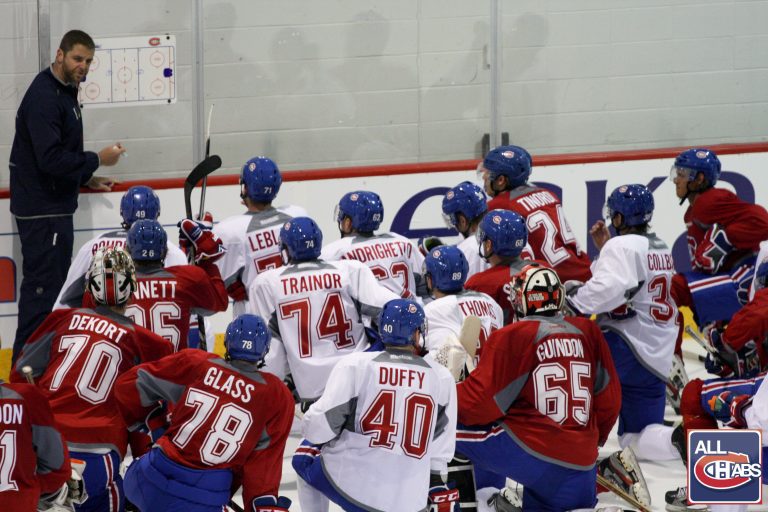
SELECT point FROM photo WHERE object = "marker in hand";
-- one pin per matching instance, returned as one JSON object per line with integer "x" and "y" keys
{"x": 119, "y": 146}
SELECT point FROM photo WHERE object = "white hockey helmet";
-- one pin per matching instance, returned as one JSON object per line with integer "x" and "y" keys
{"x": 111, "y": 279}
{"x": 536, "y": 290}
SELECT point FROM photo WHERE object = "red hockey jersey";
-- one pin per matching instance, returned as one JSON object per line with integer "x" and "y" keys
{"x": 751, "y": 323}
{"x": 33, "y": 455}
{"x": 549, "y": 234}
{"x": 745, "y": 224}
{"x": 224, "y": 416}
{"x": 550, "y": 383}
{"x": 496, "y": 282}
{"x": 76, "y": 356}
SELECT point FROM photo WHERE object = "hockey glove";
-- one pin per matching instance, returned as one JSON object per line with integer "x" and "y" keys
{"x": 730, "y": 409}
{"x": 207, "y": 245}
{"x": 270, "y": 504}
{"x": 712, "y": 250}
{"x": 743, "y": 363}
{"x": 76, "y": 494}
{"x": 55, "y": 501}
{"x": 237, "y": 291}
{"x": 444, "y": 499}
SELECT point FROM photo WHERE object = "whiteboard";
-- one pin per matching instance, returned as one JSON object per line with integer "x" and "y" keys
{"x": 131, "y": 71}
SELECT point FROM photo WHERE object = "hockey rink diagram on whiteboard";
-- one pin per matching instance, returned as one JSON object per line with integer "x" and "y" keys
{"x": 129, "y": 71}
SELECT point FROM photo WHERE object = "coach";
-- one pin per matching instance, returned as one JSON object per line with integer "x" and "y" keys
{"x": 48, "y": 166}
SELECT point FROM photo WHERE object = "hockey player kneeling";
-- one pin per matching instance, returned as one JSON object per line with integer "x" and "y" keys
{"x": 229, "y": 426}
{"x": 384, "y": 429}
{"x": 543, "y": 397}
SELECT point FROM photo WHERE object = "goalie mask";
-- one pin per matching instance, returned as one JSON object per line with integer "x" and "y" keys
{"x": 111, "y": 279}
{"x": 536, "y": 290}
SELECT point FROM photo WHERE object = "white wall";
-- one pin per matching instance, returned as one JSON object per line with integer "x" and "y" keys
{"x": 336, "y": 83}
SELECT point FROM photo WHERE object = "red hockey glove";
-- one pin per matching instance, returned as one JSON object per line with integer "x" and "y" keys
{"x": 207, "y": 245}
{"x": 270, "y": 504}
{"x": 207, "y": 219}
{"x": 712, "y": 250}
{"x": 237, "y": 291}
{"x": 730, "y": 409}
{"x": 443, "y": 499}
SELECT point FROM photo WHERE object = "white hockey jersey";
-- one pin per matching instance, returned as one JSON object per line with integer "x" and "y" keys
{"x": 395, "y": 261}
{"x": 315, "y": 310}
{"x": 389, "y": 419}
{"x": 71, "y": 294}
{"x": 634, "y": 270}
{"x": 757, "y": 415}
{"x": 252, "y": 242}
{"x": 470, "y": 248}
{"x": 446, "y": 315}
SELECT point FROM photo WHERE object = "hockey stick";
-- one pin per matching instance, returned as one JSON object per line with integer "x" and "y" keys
{"x": 27, "y": 371}
{"x": 234, "y": 506}
{"x": 200, "y": 172}
{"x": 201, "y": 212}
{"x": 470, "y": 333}
{"x": 621, "y": 493}
{"x": 698, "y": 339}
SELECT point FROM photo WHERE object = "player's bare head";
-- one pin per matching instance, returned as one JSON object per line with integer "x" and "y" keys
{"x": 260, "y": 180}
{"x": 463, "y": 205}
{"x": 247, "y": 339}
{"x": 360, "y": 211}
{"x": 147, "y": 241}
{"x": 402, "y": 323}
{"x": 694, "y": 171}
{"x": 536, "y": 290}
{"x": 300, "y": 240}
{"x": 111, "y": 278}
{"x": 505, "y": 168}
{"x": 629, "y": 208}
{"x": 502, "y": 233}
{"x": 445, "y": 269}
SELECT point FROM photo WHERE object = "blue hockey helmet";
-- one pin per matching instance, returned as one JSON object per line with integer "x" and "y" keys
{"x": 139, "y": 202}
{"x": 691, "y": 162}
{"x": 465, "y": 198}
{"x": 247, "y": 338}
{"x": 399, "y": 319}
{"x": 363, "y": 207}
{"x": 513, "y": 162}
{"x": 301, "y": 240}
{"x": 506, "y": 230}
{"x": 260, "y": 180}
{"x": 147, "y": 241}
{"x": 634, "y": 202}
{"x": 448, "y": 268}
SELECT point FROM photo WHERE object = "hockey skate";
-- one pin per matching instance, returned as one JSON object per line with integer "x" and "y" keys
{"x": 677, "y": 501}
{"x": 679, "y": 442}
{"x": 506, "y": 500}
{"x": 621, "y": 468}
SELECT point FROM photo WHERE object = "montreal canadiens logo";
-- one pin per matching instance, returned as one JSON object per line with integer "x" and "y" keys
{"x": 287, "y": 226}
{"x": 622, "y": 189}
{"x": 252, "y": 166}
{"x": 496, "y": 219}
{"x": 436, "y": 253}
{"x": 354, "y": 197}
{"x": 508, "y": 154}
{"x": 725, "y": 471}
{"x": 411, "y": 308}
{"x": 449, "y": 195}
{"x": 702, "y": 154}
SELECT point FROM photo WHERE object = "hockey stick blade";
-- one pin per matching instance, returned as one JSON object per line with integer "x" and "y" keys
{"x": 470, "y": 333}
{"x": 200, "y": 171}
{"x": 618, "y": 491}
{"x": 234, "y": 506}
